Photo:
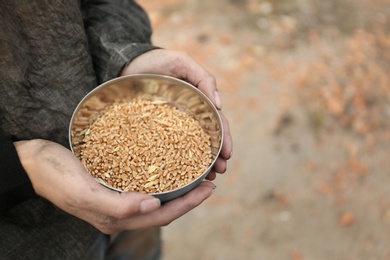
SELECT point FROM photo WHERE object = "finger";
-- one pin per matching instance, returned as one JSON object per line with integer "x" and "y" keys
{"x": 211, "y": 176}
{"x": 197, "y": 75}
{"x": 104, "y": 208}
{"x": 130, "y": 205}
{"x": 176, "y": 64}
{"x": 118, "y": 204}
{"x": 227, "y": 145}
{"x": 173, "y": 209}
{"x": 206, "y": 83}
{"x": 220, "y": 165}
{"x": 183, "y": 66}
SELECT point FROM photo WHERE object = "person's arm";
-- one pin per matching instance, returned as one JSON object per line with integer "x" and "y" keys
{"x": 117, "y": 32}
{"x": 15, "y": 185}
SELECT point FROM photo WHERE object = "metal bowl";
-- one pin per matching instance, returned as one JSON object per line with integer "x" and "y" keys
{"x": 177, "y": 92}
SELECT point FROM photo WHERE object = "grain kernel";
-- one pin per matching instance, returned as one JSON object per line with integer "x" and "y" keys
{"x": 144, "y": 145}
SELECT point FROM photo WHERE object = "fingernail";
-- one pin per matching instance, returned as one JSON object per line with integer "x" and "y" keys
{"x": 217, "y": 99}
{"x": 149, "y": 205}
{"x": 212, "y": 191}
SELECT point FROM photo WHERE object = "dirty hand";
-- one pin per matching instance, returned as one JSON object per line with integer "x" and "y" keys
{"x": 180, "y": 65}
{"x": 57, "y": 175}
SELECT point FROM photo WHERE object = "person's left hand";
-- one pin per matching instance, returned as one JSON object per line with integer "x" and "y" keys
{"x": 180, "y": 65}
{"x": 59, "y": 176}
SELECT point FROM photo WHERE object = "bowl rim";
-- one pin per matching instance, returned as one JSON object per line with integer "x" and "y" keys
{"x": 153, "y": 76}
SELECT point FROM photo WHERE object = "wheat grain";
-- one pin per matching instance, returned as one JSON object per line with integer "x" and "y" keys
{"x": 146, "y": 145}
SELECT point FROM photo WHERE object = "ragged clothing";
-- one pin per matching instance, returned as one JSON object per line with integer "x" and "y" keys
{"x": 52, "y": 53}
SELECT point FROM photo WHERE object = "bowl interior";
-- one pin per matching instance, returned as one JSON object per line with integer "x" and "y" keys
{"x": 177, "y": 92}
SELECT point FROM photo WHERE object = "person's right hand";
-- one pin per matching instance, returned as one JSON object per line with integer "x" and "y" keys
{"x": 58, "y": 175}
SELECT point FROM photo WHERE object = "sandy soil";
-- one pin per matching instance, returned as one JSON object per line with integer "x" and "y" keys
{"x": 306, "y": 87}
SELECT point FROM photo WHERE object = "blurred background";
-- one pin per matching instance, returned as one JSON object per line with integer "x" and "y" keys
{"x": 306, "y": 88}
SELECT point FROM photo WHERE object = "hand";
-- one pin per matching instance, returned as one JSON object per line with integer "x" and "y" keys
{"x": 57, "y": 175}
{"x": 180, "y": 65}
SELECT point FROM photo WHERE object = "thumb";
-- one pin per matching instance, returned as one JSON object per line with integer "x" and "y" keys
{"x": 121, "y": 204}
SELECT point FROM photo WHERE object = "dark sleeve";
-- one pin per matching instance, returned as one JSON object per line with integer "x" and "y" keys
{"x": 117, "y": 32}
{"x": 15, "y": 186}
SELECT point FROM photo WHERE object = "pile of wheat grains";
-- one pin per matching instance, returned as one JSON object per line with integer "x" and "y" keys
{"x": 146, "y": 146}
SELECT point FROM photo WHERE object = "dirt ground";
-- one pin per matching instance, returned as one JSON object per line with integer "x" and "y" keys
{"x": 306, "y": 88}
